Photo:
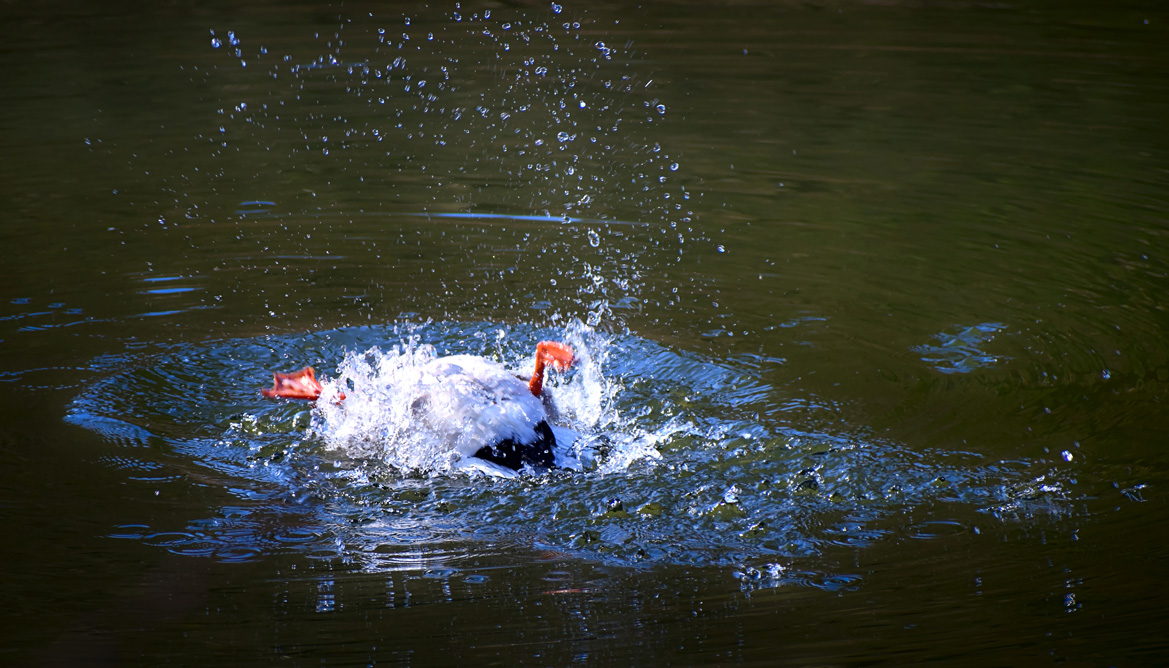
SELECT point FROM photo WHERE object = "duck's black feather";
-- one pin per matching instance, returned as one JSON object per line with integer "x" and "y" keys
{"x": 513, "y": 455}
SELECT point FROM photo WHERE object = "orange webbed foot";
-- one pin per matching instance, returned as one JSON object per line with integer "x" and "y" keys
{"x": 296, "y": 385}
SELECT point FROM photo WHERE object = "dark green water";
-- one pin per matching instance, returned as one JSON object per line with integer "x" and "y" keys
{"x": 875, "y": 292}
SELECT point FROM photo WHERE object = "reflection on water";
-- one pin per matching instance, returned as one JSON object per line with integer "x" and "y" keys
{"x": 960, "y": 352}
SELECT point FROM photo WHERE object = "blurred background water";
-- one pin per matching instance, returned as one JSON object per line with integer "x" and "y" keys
{"x": 873, "y": 294}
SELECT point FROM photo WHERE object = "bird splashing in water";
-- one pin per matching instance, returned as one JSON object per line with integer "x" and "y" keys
{"x": 430, "y": 412}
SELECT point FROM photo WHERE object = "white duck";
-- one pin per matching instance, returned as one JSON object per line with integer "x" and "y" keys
{"x": 473, "y": 406}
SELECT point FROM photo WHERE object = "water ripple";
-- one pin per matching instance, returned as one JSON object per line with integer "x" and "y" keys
{"x": 961, "y": 351}
{"x": 695, "y": 461}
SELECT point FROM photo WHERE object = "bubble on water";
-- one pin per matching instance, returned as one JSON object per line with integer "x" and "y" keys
{"x": 1106, "y": 374}
{"x": 721, "y": 249}
{"x": 661, "y": 108}
{"x": 556, "y": 8}
{"x": 594, "y": 238}
{"x": 1067, "y": 455}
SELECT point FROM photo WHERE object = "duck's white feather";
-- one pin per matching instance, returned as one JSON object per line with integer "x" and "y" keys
{"x": 470, "y": 402}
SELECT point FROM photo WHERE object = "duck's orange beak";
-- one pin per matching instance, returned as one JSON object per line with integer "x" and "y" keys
{"x": 559, "y": 355}
{"x": 296, "y": 385}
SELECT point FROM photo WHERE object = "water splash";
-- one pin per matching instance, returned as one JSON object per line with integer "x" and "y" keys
{"x": 516, "y": 97}
{"x": 391, "y": 415}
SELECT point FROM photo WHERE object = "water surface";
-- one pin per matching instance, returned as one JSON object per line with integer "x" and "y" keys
{"x": 871, "y": 297}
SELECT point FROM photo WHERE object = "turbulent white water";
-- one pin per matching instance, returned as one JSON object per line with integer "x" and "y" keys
{"x": 420, "y": 412}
